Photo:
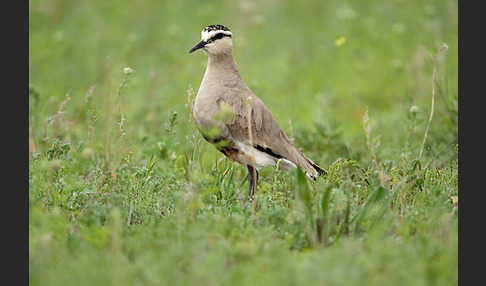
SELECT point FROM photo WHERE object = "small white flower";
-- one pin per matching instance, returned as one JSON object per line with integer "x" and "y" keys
{"x": 128, "y": 70}
{"x": 398, "y": 28}
{"x": 396, "y": 63}
{"x": 444, "y": 47}
{"x": 58, "y": 36}
{"x": 258, "y": 19}
{"x": 88, "y": 152}
{"x": 173, "y": 29}
{"x": 414, "y": 109}
{"x": 346, "y": 13}
{"x": 430, "y": 10}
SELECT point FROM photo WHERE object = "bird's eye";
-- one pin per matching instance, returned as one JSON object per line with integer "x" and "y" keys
{"x": 216, "y": 37}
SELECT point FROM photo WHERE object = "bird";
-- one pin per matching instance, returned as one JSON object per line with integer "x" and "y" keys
{"x": 232, "y": 118}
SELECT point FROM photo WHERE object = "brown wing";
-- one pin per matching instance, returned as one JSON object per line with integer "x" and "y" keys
{"x": 267, "y": 134}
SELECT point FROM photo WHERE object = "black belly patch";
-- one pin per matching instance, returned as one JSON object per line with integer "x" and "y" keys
{"x": 229, "y": 152}
{"x": 268, "y": 151}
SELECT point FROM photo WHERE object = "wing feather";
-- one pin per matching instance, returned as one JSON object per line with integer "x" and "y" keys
{"x": 266, "y": 131}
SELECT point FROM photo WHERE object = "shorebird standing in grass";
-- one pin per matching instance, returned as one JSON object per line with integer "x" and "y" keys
{"x": 250, "y": 135}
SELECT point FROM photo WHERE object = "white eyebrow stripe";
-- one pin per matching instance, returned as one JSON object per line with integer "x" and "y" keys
{"x": 208, "y": 35}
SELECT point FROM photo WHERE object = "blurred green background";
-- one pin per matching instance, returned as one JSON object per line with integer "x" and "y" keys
{"x": 285, "y": 50}
{"x": 317, "y": 65}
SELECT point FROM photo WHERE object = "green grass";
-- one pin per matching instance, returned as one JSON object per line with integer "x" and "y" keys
{"x": 124, "y": 191}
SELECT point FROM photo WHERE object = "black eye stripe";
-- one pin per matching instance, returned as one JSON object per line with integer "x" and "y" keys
{"x": 217, "y": 37}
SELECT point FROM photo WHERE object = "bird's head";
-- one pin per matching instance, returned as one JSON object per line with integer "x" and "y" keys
{"x": 215, "y": 40}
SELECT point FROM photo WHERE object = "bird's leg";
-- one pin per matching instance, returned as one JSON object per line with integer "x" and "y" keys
{"x": 250, "y": 180}
{"x": 253, "y": 180}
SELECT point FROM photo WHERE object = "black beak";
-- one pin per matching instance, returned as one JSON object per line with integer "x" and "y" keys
{"x": 199, "y": 45}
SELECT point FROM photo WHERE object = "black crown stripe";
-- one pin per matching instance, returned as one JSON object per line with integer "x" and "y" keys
{"x": 216, "y": 27}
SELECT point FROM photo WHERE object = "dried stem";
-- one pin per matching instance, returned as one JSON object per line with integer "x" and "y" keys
{"x": 367, "y": 129}
{"x": 195, "y": 149}
{"x": 190, "y": 103}
{"x": 90, "y": 113}
{"x": 108, "y": 114}
{"x": 121, "y": 109}
{"x": 442, "y": 50}
{"x": 250, "y": 137}
{"x": 129, "y": 219}
{"x": 54, "y": 167}
{"x": 56, "y": 118}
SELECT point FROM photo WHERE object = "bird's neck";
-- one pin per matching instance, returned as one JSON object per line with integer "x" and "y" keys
{"x": 222, "y": 66}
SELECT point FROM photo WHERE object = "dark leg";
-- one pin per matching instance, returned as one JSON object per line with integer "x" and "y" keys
{"x": 253, "y": 181}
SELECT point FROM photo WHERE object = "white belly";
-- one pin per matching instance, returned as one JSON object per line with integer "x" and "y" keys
{"x": 262, "y": 159}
